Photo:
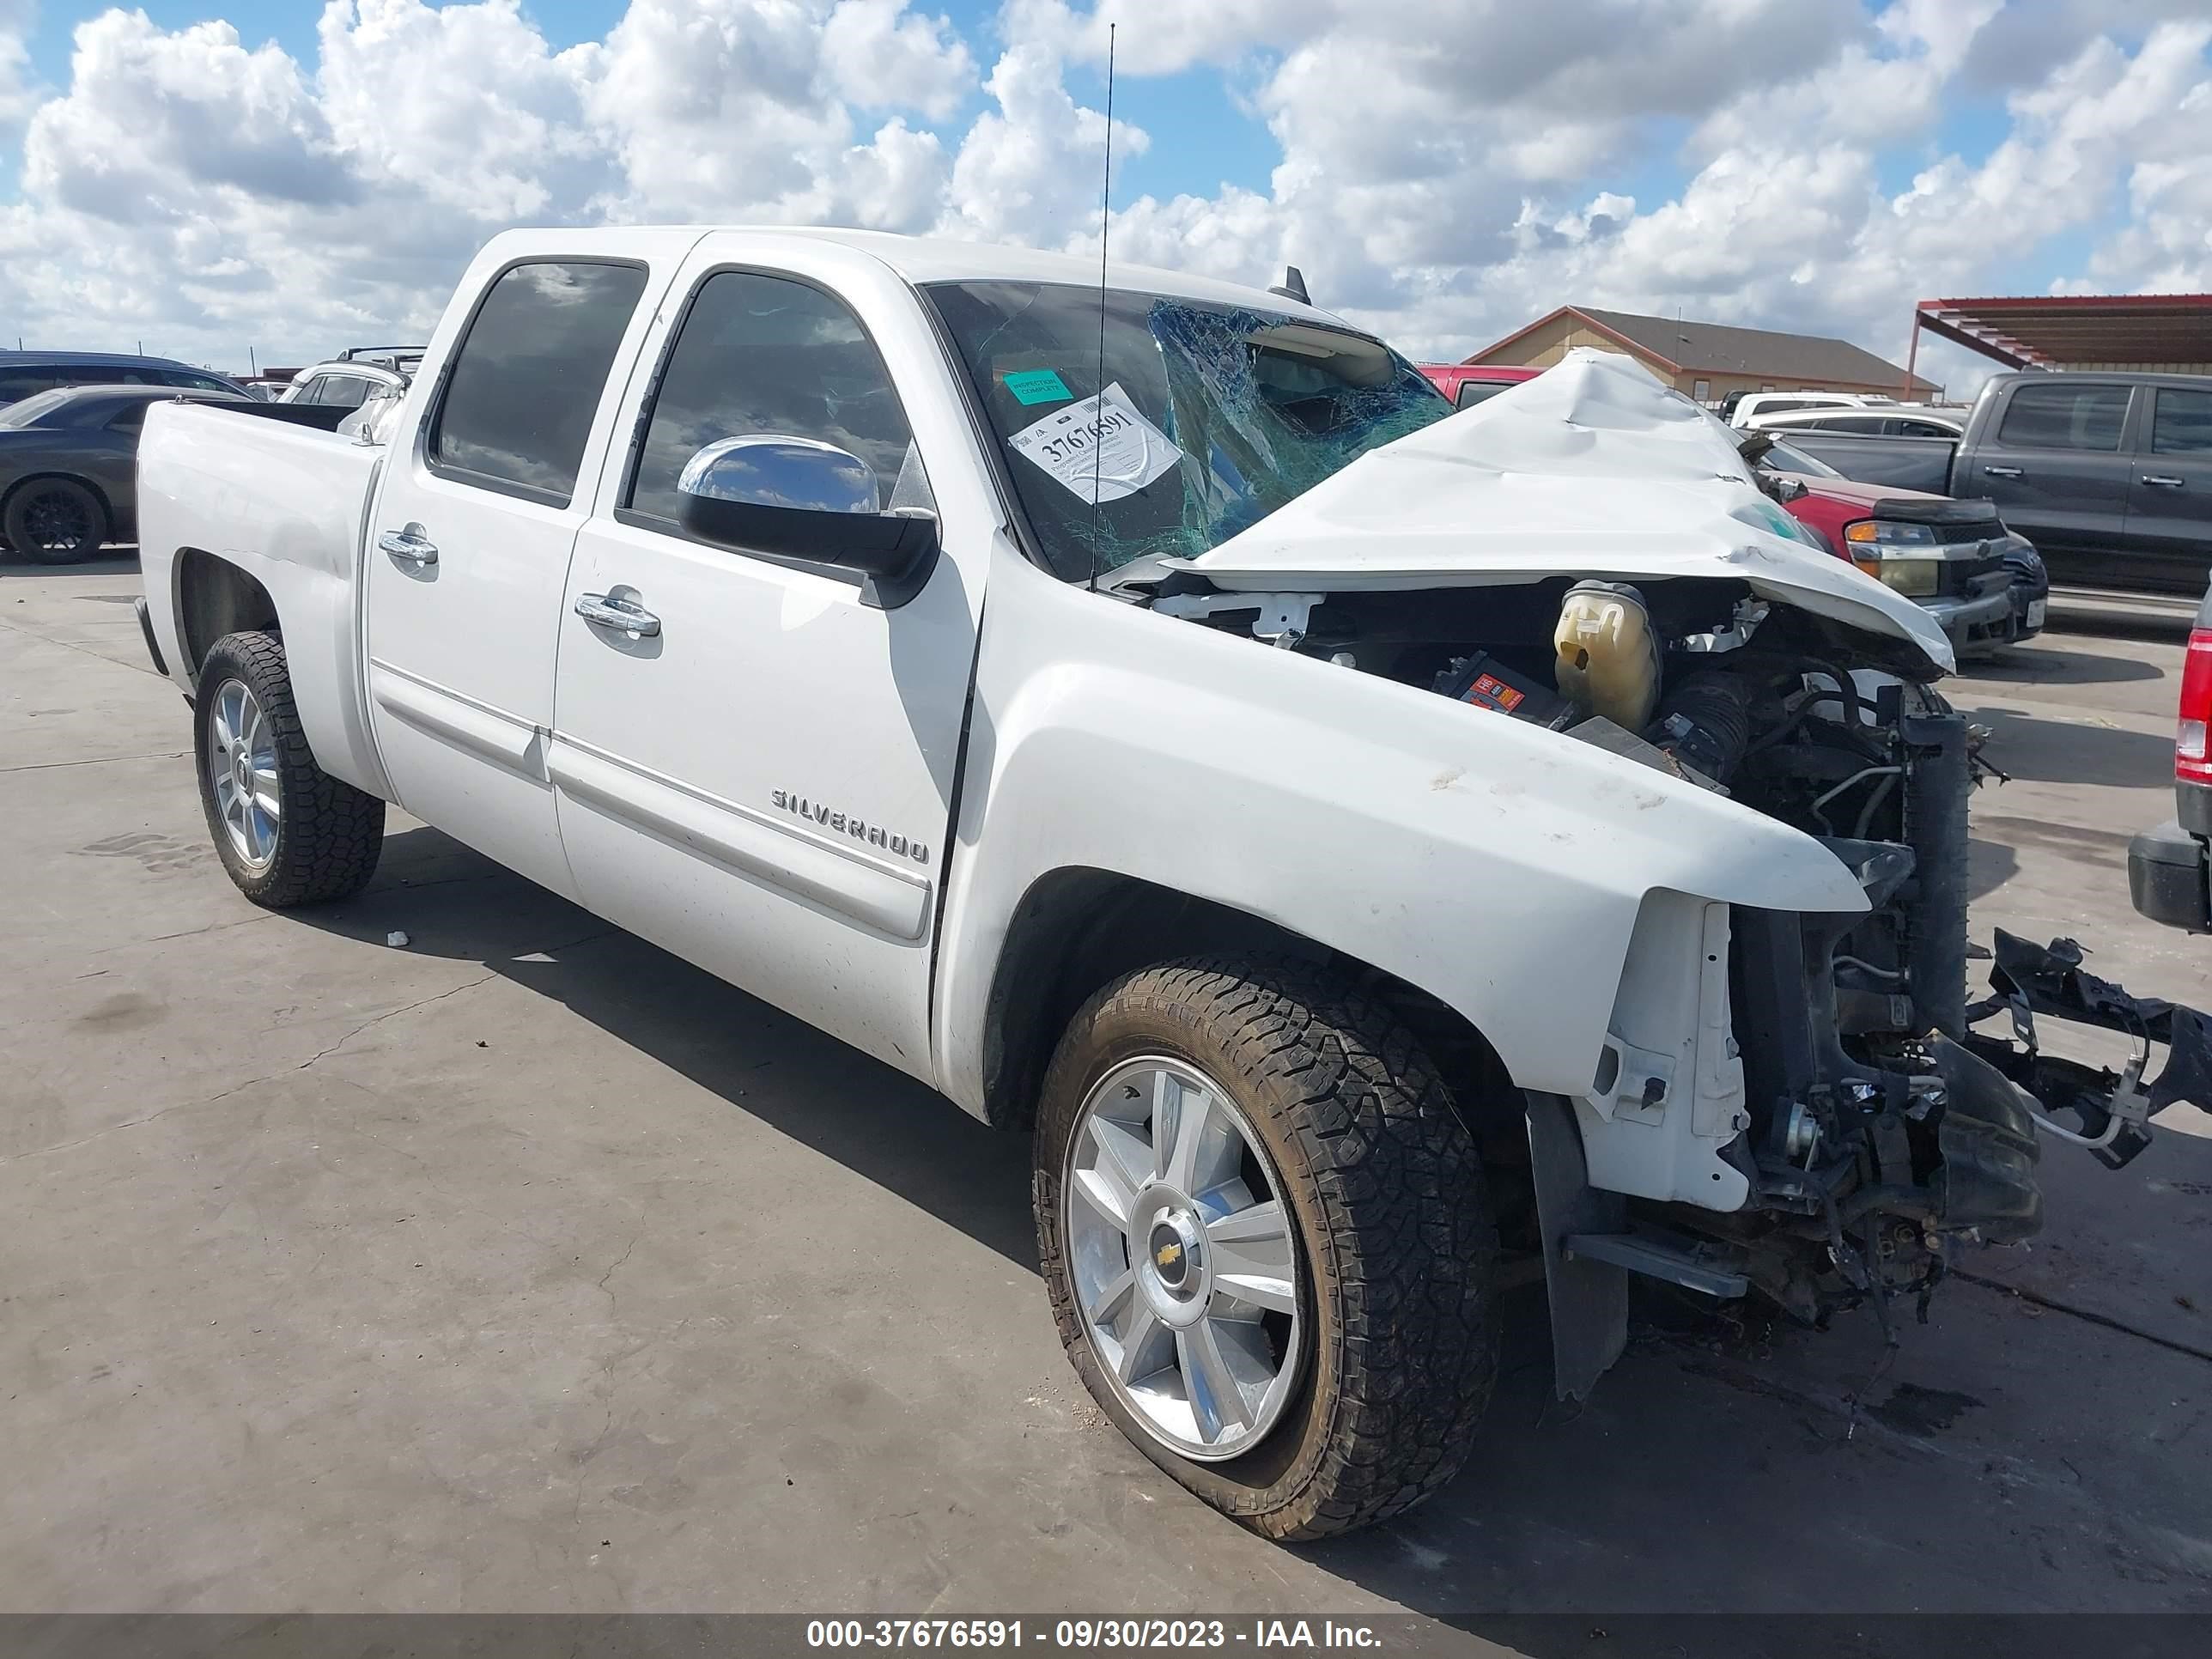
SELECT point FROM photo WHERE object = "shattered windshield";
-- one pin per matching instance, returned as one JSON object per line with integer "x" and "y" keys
{"x": 1206, "y": 418}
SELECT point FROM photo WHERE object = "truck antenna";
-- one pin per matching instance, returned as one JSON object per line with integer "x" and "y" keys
{"x": 1105, "y": 202}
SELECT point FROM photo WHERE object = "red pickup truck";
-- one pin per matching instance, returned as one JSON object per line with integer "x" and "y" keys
{"x": 1985, "y": 584}
{"x": 1469, "y": 384}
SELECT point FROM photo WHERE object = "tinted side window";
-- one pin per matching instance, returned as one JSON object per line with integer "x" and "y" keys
{"x": 527, "y": 380}
{"x": 768, "y": 354}
{"x": 1471, "y": 393}
{"x": 194, "y": 382}
{"x": 22, "y": 382}
{"x": 1923, "y": 429}
{"x": 2056, "y": 415}
{"x": 339, "y": 391}
{"x": 2182, "y": 422}
{"x": 130, "y": 417}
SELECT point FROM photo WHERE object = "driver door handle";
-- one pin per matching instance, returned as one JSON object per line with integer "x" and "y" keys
{"x": 604, "y": 611}
{"x": 2160, "y": 480}
{"x": 2002, "y": 471}
{"x": 410, "y": 545}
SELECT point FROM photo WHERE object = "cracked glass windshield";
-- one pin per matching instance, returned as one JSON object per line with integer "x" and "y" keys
{"x": 1207, "y": 417}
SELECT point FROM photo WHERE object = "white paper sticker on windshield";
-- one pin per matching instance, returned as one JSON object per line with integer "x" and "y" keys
{"x": 1106, "y": 438}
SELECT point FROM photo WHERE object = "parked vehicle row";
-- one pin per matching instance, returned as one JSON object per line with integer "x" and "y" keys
{"x": 1983, "y": 583}
{"x": 1365, "y": 843}
{"x": 23, "y": 372}
{"x": 68, "y": 438}
{"x": 2109, "y": 474}
{"x": 68, "y": 467}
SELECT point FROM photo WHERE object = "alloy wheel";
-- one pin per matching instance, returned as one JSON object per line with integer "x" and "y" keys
{"x": 1180, "y": 1253}
{"x": 242, "y": 766}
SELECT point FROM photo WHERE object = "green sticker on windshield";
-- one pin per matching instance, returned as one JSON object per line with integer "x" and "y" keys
{"x": 1036, "y": 385}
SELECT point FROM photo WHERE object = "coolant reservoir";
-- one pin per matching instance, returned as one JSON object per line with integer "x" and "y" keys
{"x": 1608, "y": 657}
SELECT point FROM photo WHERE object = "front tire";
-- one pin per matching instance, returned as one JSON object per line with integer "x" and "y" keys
{"x": 1289, "y": 1308}
{"x": 55, "y": 521}
{"x": 288, "y": 832}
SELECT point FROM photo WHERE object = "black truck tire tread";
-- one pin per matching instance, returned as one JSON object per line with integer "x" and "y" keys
{"x": 331, "y": 834}
{"x": 1409, "y": 1264}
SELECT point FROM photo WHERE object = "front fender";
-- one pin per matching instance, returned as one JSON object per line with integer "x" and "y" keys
{"x": 1496, "y": 865}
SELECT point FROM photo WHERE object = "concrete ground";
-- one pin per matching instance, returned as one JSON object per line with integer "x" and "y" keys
{"x": 526, "y": 1268}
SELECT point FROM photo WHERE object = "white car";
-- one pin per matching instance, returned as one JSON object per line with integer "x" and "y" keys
{"x": 1898, "y": 420}
{"x": 356, "y": 376}
{"x": 1739, "y": 408}
{"x": 1363, "y": 843}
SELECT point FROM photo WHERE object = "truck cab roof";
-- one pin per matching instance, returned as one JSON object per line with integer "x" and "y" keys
{"x": 927, "y": 259}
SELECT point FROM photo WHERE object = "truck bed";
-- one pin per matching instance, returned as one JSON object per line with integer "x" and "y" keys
{"x": 264, "y": 486}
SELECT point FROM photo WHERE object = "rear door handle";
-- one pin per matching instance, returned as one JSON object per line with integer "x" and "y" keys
{"x": 2002, "y": 471}
{"x": 2160, "y": 482}
{"x": 605, "y": 610}
{"x": 408, "y": 544}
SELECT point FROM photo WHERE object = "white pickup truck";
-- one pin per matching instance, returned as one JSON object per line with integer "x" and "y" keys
{"x": 1380, "y": 852}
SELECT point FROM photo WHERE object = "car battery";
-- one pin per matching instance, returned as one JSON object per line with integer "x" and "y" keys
{"x": 1487, "y": 683}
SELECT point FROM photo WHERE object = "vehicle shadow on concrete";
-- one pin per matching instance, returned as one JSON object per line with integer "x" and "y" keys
{"x": 2067, "y": 667}
{"x": 2064, "y": 752}
{"x": 1728, "y": 1460}
{"x": 453, "y": 902}
{"x": 112, "y": 562}
{"x": 1990, "y": 866}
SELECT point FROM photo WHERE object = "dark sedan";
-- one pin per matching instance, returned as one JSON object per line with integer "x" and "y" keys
{"x": 69, "y": 466}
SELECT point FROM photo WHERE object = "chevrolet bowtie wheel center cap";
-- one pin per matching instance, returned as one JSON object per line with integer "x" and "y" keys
{"x": 1175, "y": 1246}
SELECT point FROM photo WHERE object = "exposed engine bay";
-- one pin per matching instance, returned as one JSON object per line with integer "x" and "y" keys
{"x": 1872, "y": 1125}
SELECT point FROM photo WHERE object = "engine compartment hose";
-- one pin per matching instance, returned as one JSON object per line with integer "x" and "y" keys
{"x": 1704, "y": 721}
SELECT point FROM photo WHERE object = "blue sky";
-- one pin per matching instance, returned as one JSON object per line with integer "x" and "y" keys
{"x": 1199, "y": 140}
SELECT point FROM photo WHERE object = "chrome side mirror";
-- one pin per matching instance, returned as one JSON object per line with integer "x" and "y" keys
{"x": 802, "y": 499}
{"x": 767, "y": 470}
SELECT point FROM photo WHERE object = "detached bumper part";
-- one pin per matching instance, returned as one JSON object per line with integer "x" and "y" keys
{"x": 2114, "y": 1108}
{"x": 2166, "y": 877}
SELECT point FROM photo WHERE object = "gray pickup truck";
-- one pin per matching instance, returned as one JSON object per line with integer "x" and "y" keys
{"x": 2110, "y": 475}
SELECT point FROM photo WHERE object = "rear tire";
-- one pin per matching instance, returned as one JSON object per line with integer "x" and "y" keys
{"x": 1393, "y": 1342}
{"x": 288, "y": 832}
{"x": 55, "y": 521}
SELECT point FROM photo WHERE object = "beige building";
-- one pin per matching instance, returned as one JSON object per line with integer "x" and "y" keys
{"x": 1708, "y": 360}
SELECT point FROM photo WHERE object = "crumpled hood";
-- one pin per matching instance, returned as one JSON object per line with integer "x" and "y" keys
{"x": 1593, "y": 469}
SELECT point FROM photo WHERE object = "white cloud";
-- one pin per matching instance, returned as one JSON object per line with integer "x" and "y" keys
{"x": 1444, "y": 173}
{"x": 1030, "y": 170}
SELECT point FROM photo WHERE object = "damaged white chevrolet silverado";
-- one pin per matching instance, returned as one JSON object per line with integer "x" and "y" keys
{"x": 1367, "y": 843}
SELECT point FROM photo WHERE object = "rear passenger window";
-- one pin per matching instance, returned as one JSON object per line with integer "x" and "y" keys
{"x": 1471, "y": 393}
{"x": 338, "y": 392}
{"x": 527, "y": 380}
{"x": 2182, "y": 422}
{"x": 2052, "y": 415}
{"x": 759, "y": 355}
